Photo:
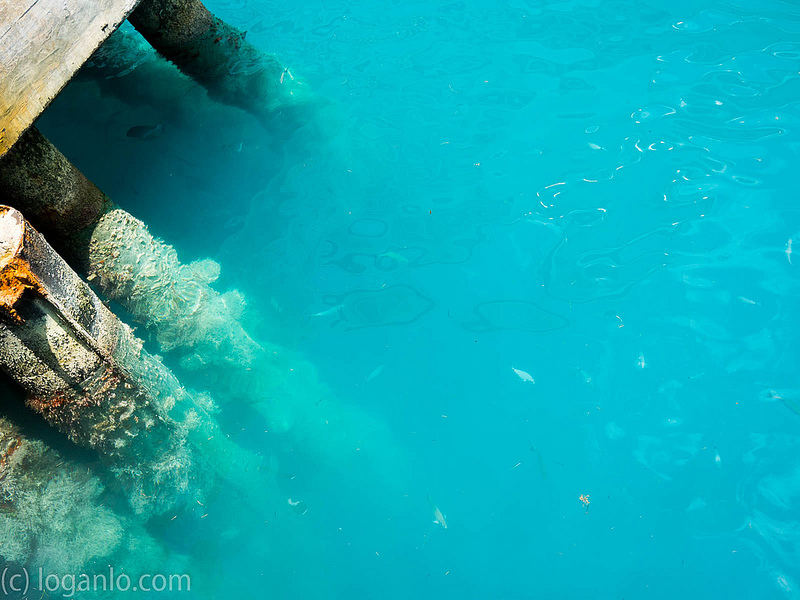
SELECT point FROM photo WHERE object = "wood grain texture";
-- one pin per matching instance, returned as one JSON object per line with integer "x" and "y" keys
{"x": 42, "y": 44}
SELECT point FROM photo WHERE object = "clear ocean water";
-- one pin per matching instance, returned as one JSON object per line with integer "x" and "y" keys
{"x": 544, "y": 249}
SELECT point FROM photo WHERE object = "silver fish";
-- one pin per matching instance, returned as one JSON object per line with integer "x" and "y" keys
{"x": 438, "y": 517}
{"x": 298, "y": 506}
{"x": 524, "y": 375}
{"x": 374, "y": 373}
{"x": 333, "y": 310}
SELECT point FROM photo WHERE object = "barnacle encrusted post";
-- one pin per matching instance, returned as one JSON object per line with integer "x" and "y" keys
{"x": 190, "y": 319}
{"x": 62, "y": 201}
{"x": 117, "y": 254}
{"x": 76, "y": 361}
{"x": 218, "y": 56}
{"x": 85, "y": 371}
{"x": 52, "y": 513}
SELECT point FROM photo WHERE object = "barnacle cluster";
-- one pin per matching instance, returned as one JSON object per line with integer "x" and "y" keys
{"x": 175, "y": 300}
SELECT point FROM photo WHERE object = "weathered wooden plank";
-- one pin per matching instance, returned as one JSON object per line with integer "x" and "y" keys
{"x": 42, "y": 44}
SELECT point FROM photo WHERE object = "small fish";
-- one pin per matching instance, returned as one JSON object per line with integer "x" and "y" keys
{"x": 438, "y": 517}
{"x": 298, "y": 506}
{"x": 145, "y": 132}
{"x": 286, "y": 72}
{"x": 515, "y": 466}
{"x": 789, "y": 250}
{"x": 641, "y": 364}
{"x": 717, "y": 459}
{"x": 398, "y": 258}
{"x": 331, "y": 311}
{"x": 744, "y": 300}
{"x": 584, "y": 375}
{"x": 374, "y": 373}
{"x": 784, "y": 582}
{"x": 524, "y": 375}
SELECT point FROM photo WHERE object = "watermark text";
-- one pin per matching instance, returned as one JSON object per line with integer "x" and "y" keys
{"x": 20, "y": 581}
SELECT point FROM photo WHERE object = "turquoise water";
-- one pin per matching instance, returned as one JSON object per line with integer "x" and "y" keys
{"x": 599, "y": 195}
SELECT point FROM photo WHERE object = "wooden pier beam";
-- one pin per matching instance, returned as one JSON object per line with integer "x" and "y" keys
{"x": 42, "y": 44}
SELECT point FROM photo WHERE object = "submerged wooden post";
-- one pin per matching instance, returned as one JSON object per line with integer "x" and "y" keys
{"x": 54, "y": 195}
{"x": 218, "y": 56}
{"x": 176, "y": 301}
{"x": 87, "y": 374}
{"x": 43, "y": 43}
{"x": 78, "y": 364}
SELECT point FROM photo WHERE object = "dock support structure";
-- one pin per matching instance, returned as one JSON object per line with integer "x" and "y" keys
{"x": 217, "y": 55}
{"x": 118, "y": 255}
{"x": 87, "y": 374}
{"x": 59, "y": 201}
{"x": 82, "y": 370}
